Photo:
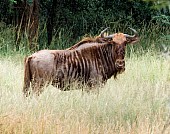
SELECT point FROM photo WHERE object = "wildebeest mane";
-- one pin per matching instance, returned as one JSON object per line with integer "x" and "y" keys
{"x": 87, "y": 40}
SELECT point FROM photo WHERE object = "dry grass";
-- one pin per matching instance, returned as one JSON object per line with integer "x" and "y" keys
{"x": 138, "y": 102}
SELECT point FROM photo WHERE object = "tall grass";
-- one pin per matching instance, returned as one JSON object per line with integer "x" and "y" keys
{"x": 137, "y": 102}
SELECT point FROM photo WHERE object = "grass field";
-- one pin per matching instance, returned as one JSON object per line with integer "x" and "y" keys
{"x": 138, "y": 102}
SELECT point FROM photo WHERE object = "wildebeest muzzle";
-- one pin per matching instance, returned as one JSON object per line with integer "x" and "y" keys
{"x": 120, "y": 65}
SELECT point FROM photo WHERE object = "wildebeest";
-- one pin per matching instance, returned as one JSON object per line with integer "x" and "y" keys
{"x": 89, "y": 62}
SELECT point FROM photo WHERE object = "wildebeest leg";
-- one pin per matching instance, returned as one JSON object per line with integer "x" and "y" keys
{"x": 26, "y": 90}
{"x": 37, "y": 86}
{"x": 58, "y": 81}
{"x": 93, "y": 86}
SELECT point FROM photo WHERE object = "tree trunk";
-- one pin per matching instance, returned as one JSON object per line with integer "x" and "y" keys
{"x": 33, "y": 25}
{"x": 27, "y": 22}
{"x": 50, "y": 20}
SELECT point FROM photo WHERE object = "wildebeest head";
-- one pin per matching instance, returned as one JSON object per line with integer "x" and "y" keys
{"x": 119, "y": 40}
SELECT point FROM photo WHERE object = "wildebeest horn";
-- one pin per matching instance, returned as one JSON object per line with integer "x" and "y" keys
{"x": 110, "y": 36}
{"x": 126, "y": 35}
{"x": 102, "y": 32}
{"x": 132, "y": 36}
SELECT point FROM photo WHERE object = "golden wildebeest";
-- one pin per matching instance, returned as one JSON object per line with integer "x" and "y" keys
{"x": 89, "y": 62}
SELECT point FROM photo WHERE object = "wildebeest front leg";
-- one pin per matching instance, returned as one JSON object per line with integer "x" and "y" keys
{"x": 95, "y": 83}
{"x": 58, "y": 80}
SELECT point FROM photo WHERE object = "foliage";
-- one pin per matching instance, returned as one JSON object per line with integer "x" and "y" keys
{"x": 162, "y": 20}
{"x": 72, "y": 19}
{"x": 13, "y": 1}
{"x": 159, "y": 3}
{"x": 84, "y": 16}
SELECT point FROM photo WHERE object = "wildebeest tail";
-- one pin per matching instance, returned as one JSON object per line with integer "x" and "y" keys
{"x": 27, "y": 76}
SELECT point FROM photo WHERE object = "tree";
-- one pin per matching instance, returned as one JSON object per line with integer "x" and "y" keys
{"x": 27, "y": 22}
{"x": 159, "y": 3}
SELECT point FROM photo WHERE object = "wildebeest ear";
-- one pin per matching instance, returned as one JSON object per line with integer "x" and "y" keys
{"x": 132, "y": 40}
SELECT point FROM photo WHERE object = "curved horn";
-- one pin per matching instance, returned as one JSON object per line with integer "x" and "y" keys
{"x": 110, "y": 36}
{"x": 102, "y": 32}
{"x": 132, "y": 36}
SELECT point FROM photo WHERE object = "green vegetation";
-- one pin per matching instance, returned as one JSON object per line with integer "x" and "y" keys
{"x": 152, "y": 37}
{"x": 60, "y": 24}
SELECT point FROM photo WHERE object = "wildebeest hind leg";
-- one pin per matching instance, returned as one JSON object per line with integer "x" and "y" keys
{"x": 26, "y": 91}
{"x": 37, "y": 87}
